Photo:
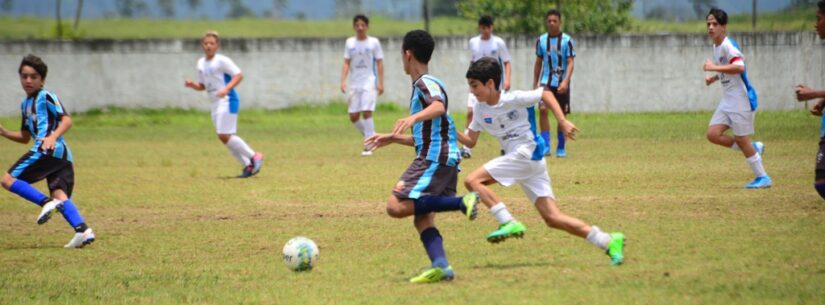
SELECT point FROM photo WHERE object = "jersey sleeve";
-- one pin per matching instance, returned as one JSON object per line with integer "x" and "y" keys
{"x": 229, "y": 67}
{"x": 524, "y": 99}
{"x": 23, "y": 122}
{"x": 377, "y": 52}
{"x": 504, "y": 54}
{"x": 539, "y": 49}
{"x": 734, "y": 55}
{"x": 201, "y": 78}
{"x": 475, "y": 125}
{"x": 570, "y": 51}
{"x": 54, "y": 106}
{"x": 346, "y": 49}
{"x": 430, "y": 92}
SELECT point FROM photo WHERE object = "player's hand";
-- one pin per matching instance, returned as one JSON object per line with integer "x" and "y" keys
{"x": 2, "y": 130}
{"x": 190, "y": 84}
{"x": 817, "y": 108}
{"x": 803, "y": 93}
{"x": 48, "y": 143}
{"x": 380, "y": 88}
{"x": 710, "y": 80}
{"x": 344, "y": 87}
{"x": 506, "y": 85}
{"x": 562, "y": 87}
{"x": 221, "y": 93}
{"x": 378, "y": 140}
{"x": 402, "y": 124}
{"x": 709, "y": 66}
{"x": 569, "y": 129}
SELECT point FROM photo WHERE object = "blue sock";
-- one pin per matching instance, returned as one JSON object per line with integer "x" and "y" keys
{"x": 546, "y": 136}
{"x": 25, "y": 190}
{"x": 72, "y": 216}
{"x": 434, "y": 245}
{"x": 560, "y": 136}
{"x": 820, "y": 188}
{"x": 430, "y": 204}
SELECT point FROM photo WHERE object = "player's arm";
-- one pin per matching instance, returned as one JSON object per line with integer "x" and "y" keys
{"x": 345, "y": 72}
{"x": 63, "y": 127}
{"x": 536, "y": 72}
{"x": 379, "y": 140}
{"x": 568, "y": 74}
{"x": 469, "y": 139}
{"x": 194, "y": 85}
{"x": 817, "y": 108}
{"x": 435, "y": 109}
{"x": 23, "y": 136}
{"x": 507, "y": 73}
{"x": 732, "y": 68}
{"x": 380, "y": 66}
{"x": 804, "y": 93}
{"x": 711, "y": 79}
{"x": 236, "y": 79}
{"x": 551, "y": 103}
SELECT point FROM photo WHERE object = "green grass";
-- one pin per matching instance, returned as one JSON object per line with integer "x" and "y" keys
{"x": 173, "y": 228}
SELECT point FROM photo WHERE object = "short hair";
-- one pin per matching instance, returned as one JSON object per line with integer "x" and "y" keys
{"x": 719, "y": 15}
{"x": 485, "y": 69}
{"x": 420, "y": 43}
{"x": 213, "y": 34}
{"x": 552, "y": 12}
{"x": 485, "y": 21}
{"x": 36, "y": 63}
{"x": 821, "y": 6}
{"x": 362, "y": 18}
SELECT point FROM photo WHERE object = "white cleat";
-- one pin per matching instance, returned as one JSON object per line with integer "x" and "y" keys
{"x": 81, "y": 239}
{"x": 366, "y": 153}
{"x": 48, "y": 210}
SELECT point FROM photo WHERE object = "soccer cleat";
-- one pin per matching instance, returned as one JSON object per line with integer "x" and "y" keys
{"x": 81, "y": 239}
{"x": 507, "y": 230}
{"x": 257, "y": 162}
{"x": 366, "y": 152}
{"x": 247, "y": 171}
{"x": 466, "y": 153}
{"x": 760, "y": 183}
{"x": 615, "y": 247}
{"x": 561, "y": 153}
{"x": 434, "y": 274}
{"x": 48, "y": 210}
{"x": 759, "y": 147}
{"x": 471, "y": 201}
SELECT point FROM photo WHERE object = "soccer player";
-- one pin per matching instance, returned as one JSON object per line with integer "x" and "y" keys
{"x": 45, "y": 119}
{"x": 429, "y": 184}
{"x": 738, "y": 105}
{"x": 804, "y": 93}
{"x": 553, "y": 70}
{"x": 363, "y": 59}
{"x": 486, "y": 45}
{"x": 219, "y": 76}
{"x": 510, "y": 117}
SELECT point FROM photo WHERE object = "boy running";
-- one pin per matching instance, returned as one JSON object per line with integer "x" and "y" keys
{"x": 486, "y": 45}
{"x": 803, "y": 93}
{"x": 553, "y": 70}
{"x": 363, "y": 59}
{"x": 738, "y": 105}
{"x": 429, "y": 184}
{"x": 49, "y": 158}
{"x": 510, "y": 117}
{"x": 218, "y": 75}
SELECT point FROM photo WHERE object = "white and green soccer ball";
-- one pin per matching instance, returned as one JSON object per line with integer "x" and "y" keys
{"x": 300, "y": 254}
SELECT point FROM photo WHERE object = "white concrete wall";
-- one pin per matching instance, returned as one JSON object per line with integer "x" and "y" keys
{"x": 625, "y": 73}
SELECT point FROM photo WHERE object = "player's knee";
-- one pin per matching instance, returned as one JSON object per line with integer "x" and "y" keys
{"x": 395, "y": 211}
{"x": 353, "y": 117}
{"x": 224, "y": 138}
{"x": 712, "y": 136}
{"x": 7, "y": 181}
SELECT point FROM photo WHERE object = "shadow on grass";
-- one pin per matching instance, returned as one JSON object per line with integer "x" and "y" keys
{"x": 511, "y": 265}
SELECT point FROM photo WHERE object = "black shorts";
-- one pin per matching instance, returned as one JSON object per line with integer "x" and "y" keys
{"x": 562, "y": 98}
{"x": 33, "y": 167}
{"x": 820, "y": 160}
{"x": 425, "y": 177}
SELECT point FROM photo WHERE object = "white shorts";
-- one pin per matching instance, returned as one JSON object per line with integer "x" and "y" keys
{"x": 224, "y": 121}
{"x": 361, "y": 100}
{"x": 471, "y": 100}
{"x": 531, "y": 175}
{"x": 741, "y": 122}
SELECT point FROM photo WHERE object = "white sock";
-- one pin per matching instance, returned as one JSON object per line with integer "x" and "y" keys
{"x": 735, "y": 147}
{"x": 237, "y": 156}
{"x": 369, "y": 127}
{"x": 755, "y": 163}
{"x": 239, "y": 147}
{"x": 501, "y": 213}
{"x": 360, "y": 126}
{"x": 598, "y": 238}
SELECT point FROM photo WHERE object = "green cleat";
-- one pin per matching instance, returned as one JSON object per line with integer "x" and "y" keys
{"x": 433, "y": 275}
{"x": 614, "y": 249}
{"x": 471, "y": 201}
{"x": 507, "y": 230}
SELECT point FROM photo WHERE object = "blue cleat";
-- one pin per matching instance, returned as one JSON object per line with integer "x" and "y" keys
{"x": 760, "y": 183}
{"x": 759, "y": 147}
{"x": 561, "y": 153}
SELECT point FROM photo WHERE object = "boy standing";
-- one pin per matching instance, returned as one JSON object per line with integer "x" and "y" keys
{"x": 49, "y": 158}
{"x": 738, "y": 105}
{"x": 429, "y": 184}
{"x": 510, "y": 117}
{"x": 803, "y": 93}
{"x": 553, "y": 70}
{"x": 486, "y": 45}
{"x": 218, "y": 75}
{"x": 364, "y": 56}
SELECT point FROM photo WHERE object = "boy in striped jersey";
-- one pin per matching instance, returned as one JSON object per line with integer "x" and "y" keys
{"x": 553, "y": 71}
{"x": 49, "y": 158}
{"x": 429, "y": 184}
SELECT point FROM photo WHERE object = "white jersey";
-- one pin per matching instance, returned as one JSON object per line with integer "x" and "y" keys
{"x": 493, "y": 47}
{"x": 363, "y": 55}
{"x": 738, "y": 94}
{"x": 214, "y": 74}
{"x": 512, "y": 121}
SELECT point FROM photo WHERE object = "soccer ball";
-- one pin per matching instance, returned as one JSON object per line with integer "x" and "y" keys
{"x": 300, "y": 254}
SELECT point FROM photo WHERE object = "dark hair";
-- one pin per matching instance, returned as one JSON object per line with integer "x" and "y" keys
{"x": 719, "y": 15}
{"x": 420, "y": 43}
{"x": 552, "y": 12}
{"x": 821, "y": 6}
{"x": 485, "y": 69}
{"x": 362, "y": 18}
{"x": 36, "y": 63}
{"x": 485, "y": 21}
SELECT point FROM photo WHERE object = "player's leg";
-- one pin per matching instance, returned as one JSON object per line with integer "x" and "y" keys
{"x": 564, "y": 103}
{"x": 478, "y": 182}
{"x": 31, "y": 168}
{"x": 226, "y": 125}
{"x": 742, "y": 128}
{"x": 440, "y": 269}
{"x": 424, "y": 184}
{"x": 367, "y": 107}
{"x": 354, "y": 110}
{"x": 61, "y": 184}
{"x": 467, "y": 152}
{"x": 819, "y": 179}
{"x": 544, "y": 126}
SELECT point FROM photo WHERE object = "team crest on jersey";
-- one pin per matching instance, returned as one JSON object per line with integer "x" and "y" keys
{"x": 488, "y": 119}
{"x": 722, "y": 60}
{"x": 513, "y": 115}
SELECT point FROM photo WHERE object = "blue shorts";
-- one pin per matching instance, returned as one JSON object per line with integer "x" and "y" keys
{"x": 35, "y": 166}
{"x": 425, "y": 177}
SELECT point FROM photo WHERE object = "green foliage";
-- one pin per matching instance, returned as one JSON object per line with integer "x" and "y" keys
{"x": 527, "y": 17}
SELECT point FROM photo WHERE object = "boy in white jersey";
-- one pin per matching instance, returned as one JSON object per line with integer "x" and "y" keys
{"x": 218, "y": 75}
{"x": 510, "y": 117}
{"x": 738, "y": 104}
{"x": 804, "y": 93}
{"x": 363, "y": 60}
{"x": 486, "y": 45}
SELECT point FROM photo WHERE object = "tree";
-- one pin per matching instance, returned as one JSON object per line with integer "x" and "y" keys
{"x": 59, "y": 22}
{"x": 445, "y": 8}
{"x": 527, "y": 16}
{"x": 77, "y": 12}
{"x": 167, "y": 7}
{"x": 279, "y": 8}
{"x": 7, "y": 5}
{"x": 348, "y": 8}
{"x": 238, "y": 10}
{"x": 131, "y": 8}
{"x": 701, "y": 7}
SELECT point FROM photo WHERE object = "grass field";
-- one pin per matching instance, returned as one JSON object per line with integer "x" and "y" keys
{"x": 39, "y": 28}
{"x": 173, "y": 227}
